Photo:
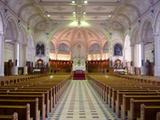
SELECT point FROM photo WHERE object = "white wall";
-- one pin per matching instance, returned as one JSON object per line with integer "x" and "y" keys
{"x": 9, "y": 52}
{"x": 148, "y": 52}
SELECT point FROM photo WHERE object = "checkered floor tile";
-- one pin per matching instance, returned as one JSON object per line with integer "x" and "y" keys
{"x": 81, "y": 102}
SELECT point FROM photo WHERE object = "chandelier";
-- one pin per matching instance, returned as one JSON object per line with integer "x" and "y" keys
{"x": 79, "y": 12}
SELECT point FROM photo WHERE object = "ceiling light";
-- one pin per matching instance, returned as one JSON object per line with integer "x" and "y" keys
{"x": 74, "y": 13}
{"x": 73, "y": 2}
{"x": 85, "y": 2}
{"x": 109, "y": 16}
{"x": 84, "y": 13}
{"x": 48, "y": 15}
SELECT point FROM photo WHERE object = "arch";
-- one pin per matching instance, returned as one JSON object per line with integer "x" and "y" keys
{"x": 23, "y": 7}
{"x": 22, "y": 38}
{"x": 10, "y": 38}
{"x": 134, "y": 36}
{"x": 147, "y": 32}
{"x": 157, "y": 23}
{"x": 118, "y": 49}
{"x": 94, "y": 48}
{"x": 148, "y": 47}
{"x": 135, "y": 8}
{"x": 33, "y": 16}
{"x": 11, "y": 32}
{"x": 63, "y": 48}
{"x": 125, "y": 17}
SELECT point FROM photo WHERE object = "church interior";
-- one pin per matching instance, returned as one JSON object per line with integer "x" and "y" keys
{"x": 79, "y": 59}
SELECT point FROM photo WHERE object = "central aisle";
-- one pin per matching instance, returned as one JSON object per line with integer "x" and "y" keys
{"x": 81, "y": 102}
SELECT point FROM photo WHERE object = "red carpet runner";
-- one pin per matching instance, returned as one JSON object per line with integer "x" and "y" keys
{"x": 78, "y": 75}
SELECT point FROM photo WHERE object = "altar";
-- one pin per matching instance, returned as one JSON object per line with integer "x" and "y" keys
{"x": 79, "y": 60}
{"x": 79, "y": 68}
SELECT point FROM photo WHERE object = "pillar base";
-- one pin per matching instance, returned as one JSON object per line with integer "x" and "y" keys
{"x": 26, "y": 70}
{"x": 15, "y": 70}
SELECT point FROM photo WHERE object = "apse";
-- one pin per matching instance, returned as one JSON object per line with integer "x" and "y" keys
{"x": 83, "y": 43}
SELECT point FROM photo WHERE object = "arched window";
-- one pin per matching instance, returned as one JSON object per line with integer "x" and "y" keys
{"x": 117, "y": 49}
{"x": 94, "y": 48}
{"x": 106, "y": 48}
{"x": 63, "y": 48}
{"x": 40, "y": 49}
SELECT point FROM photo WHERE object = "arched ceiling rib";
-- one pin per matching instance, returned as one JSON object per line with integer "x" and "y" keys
{"x": 122, "y": 12}
{"x": 135, "y": 8}
{"x": 23, "y": 7}
{"x": 32, "y": 17}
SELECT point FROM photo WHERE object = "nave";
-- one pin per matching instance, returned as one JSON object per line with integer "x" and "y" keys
{"x": 81, "y": 102}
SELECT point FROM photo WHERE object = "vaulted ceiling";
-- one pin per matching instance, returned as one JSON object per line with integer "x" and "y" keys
{"x": 45, "y": 14}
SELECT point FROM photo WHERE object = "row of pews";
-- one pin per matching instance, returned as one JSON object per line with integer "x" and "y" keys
{"x": 32, "y": 98}
{"x": 130, "y": 99}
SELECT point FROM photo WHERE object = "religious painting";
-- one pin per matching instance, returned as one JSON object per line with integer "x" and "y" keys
{"x": 40, "y": 49}
{"x": 118, "y": 50}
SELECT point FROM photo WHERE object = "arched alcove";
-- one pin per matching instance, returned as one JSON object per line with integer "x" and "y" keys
{"x": 22, "y": 41}
{"x": 10, "y": 39}
{"x": 148, "y": 48}
{"x": 94, "y": 48}
{"x": 63, "y": 48}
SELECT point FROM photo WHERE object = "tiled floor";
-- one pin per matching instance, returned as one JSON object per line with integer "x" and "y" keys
{"x": 81, "y": 102}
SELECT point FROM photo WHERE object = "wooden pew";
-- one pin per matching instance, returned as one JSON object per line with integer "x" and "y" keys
{"x": 34, "y": 111}
{"x": 149, "y": 112}
{"x": 134, "y": 111}
{"x": 23, "y": 111}
{"x": 30, "y": 89}
{"x": 117, "y": 95}
{"x": 14, "y": 116}
{"x": 41, "y": 103}
{"x": 46, "y": 97}
{"x": 121, "y": 101}
{"x": 117, "y": 92}
{"x": 126, "y": 102}
{"x": 158, "y": 116}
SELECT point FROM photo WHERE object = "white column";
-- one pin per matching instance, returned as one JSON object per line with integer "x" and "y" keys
{"x": 22, "y": 55}
{"x": 132, "y": 59}
{"x": 1, "y": 55}
{"x": 143, "y": 68}
{"x": 157, "y": 55}
{"x": 16, "y": 57}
